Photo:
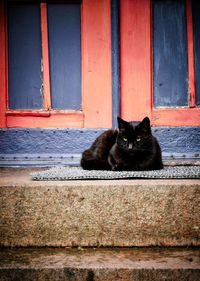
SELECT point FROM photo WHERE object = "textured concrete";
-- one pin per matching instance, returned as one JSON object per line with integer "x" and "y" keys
{"x": 100, "y": 264}
{"x": 98, "y": 213}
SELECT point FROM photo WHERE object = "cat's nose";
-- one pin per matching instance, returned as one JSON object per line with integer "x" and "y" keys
{"x": 130, "y": 146}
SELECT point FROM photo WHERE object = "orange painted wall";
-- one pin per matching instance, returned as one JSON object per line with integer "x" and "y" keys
{"x": 135, "y": 32}
{"x": 96, "y": 69}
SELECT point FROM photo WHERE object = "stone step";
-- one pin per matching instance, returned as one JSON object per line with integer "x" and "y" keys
{"x": 121, "y": 213}
{"x": 144, "y": 264}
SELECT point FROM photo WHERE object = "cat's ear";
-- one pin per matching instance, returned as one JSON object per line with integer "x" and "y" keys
{"x": 122, "y": 124}
{"x": 145, "y": 125}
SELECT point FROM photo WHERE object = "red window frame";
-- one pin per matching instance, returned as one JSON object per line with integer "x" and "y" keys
{"x": 96, "y": 74}
{"x": 137, "y": 68}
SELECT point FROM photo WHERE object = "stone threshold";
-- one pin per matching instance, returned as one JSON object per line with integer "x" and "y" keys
{"x": 100, "y": 264}
{"x": 121, "y": 213}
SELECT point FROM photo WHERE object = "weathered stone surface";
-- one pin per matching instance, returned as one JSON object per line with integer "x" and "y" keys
{"x": 98, "y": 213}
{"x": 144, "y": 264}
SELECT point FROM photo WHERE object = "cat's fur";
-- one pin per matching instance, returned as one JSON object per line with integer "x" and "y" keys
{"x": 131, "y": 147}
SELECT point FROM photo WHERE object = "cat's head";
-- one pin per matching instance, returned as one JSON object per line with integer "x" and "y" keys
{"x": 134, "y": 136}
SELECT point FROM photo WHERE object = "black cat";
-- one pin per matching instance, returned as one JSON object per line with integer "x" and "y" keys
{"x": 132, "y": 148}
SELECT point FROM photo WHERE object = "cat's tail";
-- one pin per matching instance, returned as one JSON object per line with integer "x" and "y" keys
{"x": 89, "y": 162}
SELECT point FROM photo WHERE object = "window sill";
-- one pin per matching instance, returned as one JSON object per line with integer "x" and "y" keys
{"x": 40, "y": 113}
{"x": 176, "y": 117}
{"x": 53, "y": 119}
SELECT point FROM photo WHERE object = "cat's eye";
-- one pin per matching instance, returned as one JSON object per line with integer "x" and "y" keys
{"x": 125, "y": 139}
{"x": 138, "y": 139}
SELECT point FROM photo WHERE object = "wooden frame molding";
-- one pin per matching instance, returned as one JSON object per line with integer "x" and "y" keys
{"x": 45, "y": 56}
{"x": 3, "y": 76}
{"x": 191, "y": 76}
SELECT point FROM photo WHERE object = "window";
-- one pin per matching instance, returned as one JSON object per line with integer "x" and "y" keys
{"x": 170, "y": 63}
{"x": 55, "y": 56}
{"x": 159, "y": 61}
{"x": 175, "y": 95}
{"x": 26, "y": 66}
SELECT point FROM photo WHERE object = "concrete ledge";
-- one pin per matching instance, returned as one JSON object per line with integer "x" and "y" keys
{"x": 98, "y": 213}
{"x": 156, "y": 264}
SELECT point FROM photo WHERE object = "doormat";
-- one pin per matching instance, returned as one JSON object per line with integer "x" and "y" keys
{"x": 77, "y": 173}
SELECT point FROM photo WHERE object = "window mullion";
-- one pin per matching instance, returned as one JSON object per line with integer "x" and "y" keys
{"x": 2, "y": 67}
{"x": 45, "y": 58}
{"x": 190, "y": 42}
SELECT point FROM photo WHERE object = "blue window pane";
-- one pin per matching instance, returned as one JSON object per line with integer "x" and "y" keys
{"x": 65, "y": 55}
{"x": 24, "y": 57}
{"x": 170, "y": 54}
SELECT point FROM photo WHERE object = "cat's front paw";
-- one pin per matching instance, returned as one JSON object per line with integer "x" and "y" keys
{"x": 117, "y": 167}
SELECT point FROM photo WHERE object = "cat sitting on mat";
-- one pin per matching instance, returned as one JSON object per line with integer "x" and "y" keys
{"x": 131, "y": 147}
